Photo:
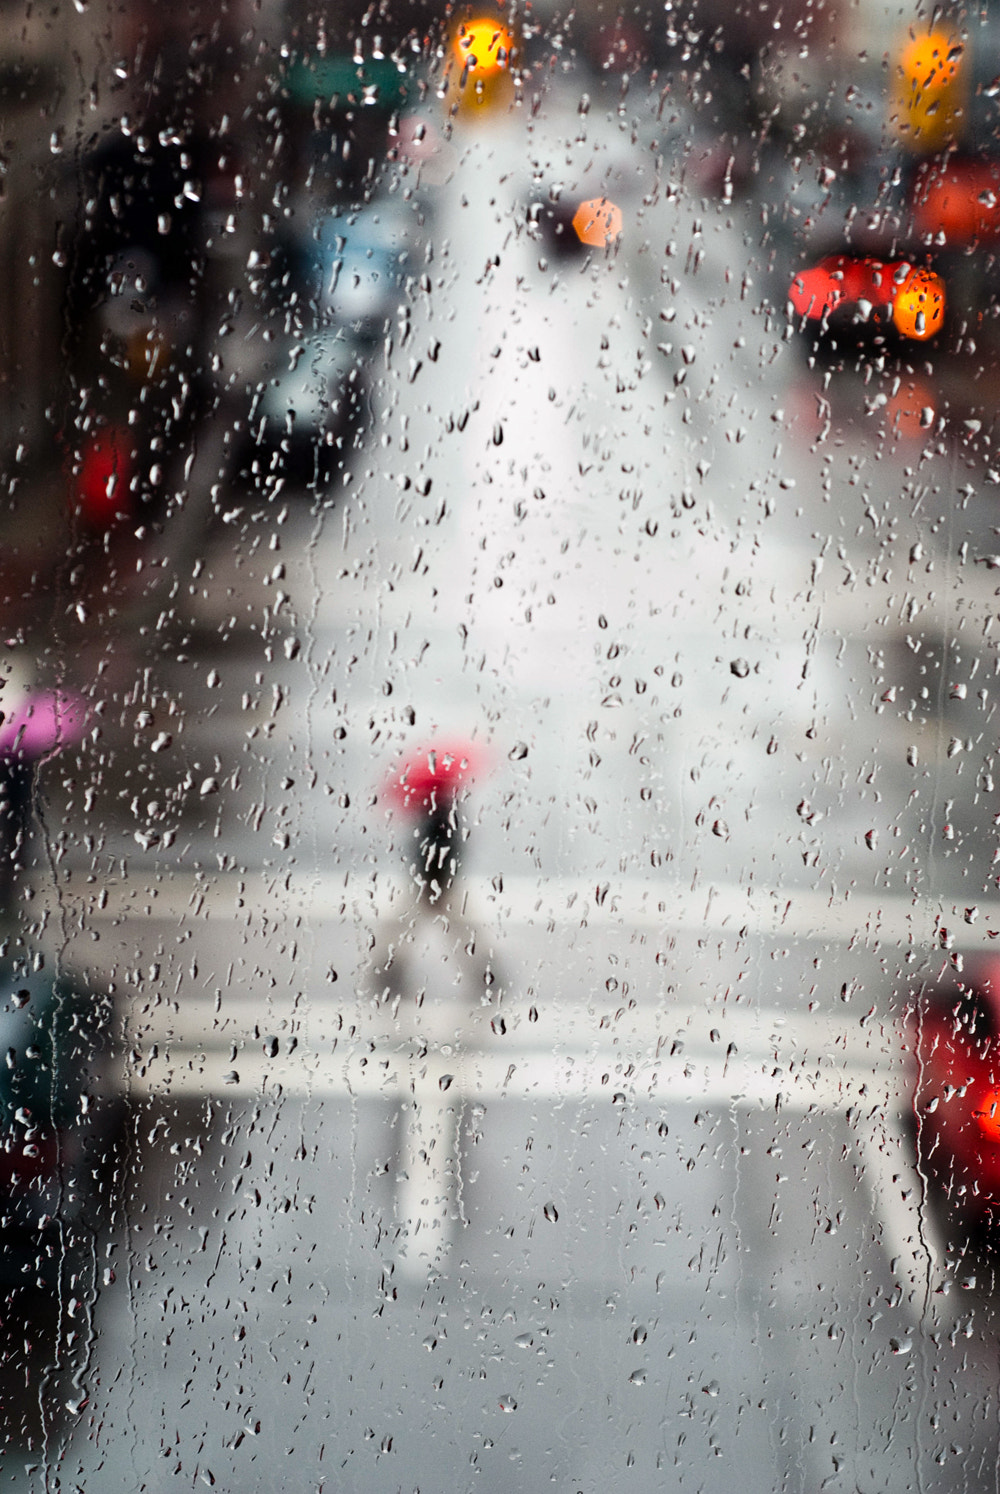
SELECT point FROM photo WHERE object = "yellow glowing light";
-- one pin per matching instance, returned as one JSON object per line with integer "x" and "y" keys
{"x": 918, "y": 305}
{"x": 597, "y": 222}
{"x": 478, "y": 70}
{"x": 483, "y": 46}
{"x": 930, "y": 93}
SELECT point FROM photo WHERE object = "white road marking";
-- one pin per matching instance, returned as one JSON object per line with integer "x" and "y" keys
{"x": 570, "y": 902}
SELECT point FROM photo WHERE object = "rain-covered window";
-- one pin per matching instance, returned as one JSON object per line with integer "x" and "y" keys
{"x": 498, "y": 746}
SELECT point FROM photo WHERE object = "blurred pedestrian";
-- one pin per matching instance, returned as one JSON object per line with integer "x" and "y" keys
{"x": 432, "y": 974}
{"x": 35, "y": 723}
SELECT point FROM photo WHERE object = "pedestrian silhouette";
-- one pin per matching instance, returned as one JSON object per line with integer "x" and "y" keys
{"x": 436, "y": 981}
{"x": 34, "y": 725}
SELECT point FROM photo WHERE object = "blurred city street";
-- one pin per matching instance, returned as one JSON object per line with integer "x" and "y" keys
{"x": 615, "y": 1188}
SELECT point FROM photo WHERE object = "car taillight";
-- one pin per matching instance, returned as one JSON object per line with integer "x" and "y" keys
{"x": 102, "y": 486}
{"x": 918, "y": 305}
{"x": 960, "y": 201}
{"x": 986, "y": 1112}
{"x": 912, "y": 298}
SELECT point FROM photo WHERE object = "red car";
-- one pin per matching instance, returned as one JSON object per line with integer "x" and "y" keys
{"x": 955, "y": 1033}
{"x": 858, "y": 289}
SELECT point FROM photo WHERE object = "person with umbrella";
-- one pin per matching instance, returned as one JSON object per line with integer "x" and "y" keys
{"x": 35, "y": 723}
{"x": 432, "y": 976}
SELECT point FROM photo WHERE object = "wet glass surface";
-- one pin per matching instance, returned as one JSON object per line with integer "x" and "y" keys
{"x": 498, "y": 822}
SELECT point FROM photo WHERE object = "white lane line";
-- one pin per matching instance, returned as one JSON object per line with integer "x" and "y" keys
{"x": 165, "y": 894}
{"x": 433, "y": 1088}
{"x": 518, "y": 1073}
{"x": 910, "y": 1235}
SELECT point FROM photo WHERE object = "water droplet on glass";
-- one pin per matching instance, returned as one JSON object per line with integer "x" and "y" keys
{"x": 508, "y": 1403}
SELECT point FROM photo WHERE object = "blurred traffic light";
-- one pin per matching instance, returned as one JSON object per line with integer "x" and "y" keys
{"x": 931, "y": 91}
{"x": 478, "y": 66}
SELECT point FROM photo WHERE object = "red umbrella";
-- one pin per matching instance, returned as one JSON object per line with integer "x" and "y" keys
{"x": 42, "y": 724}
{"x": 434, "y": 775}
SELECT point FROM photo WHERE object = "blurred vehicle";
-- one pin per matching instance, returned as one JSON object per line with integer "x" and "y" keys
{"x": 60, "y": 1119}
{"x": 330, "y": 281}
{"x": 135, "y": 315}
{"x": 912, "y": 272}
{"x": 862, "y": 292}
{"x": 60, "y": 1110}
{"x": 308, "y": 404}
{"x": 311, "y": 382}
{"x": 934, "y": 205}
{"x": 955, "y": 1041}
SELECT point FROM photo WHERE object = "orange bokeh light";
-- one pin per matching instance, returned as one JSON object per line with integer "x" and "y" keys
{"x": 483, "y": 46}
{"x": 931, "y": 88}
{"x": 918, "y": 305}
{"x": 931, "y": 62}
{"x": 478, "y": 73}
{"x": 597, "y": 222}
